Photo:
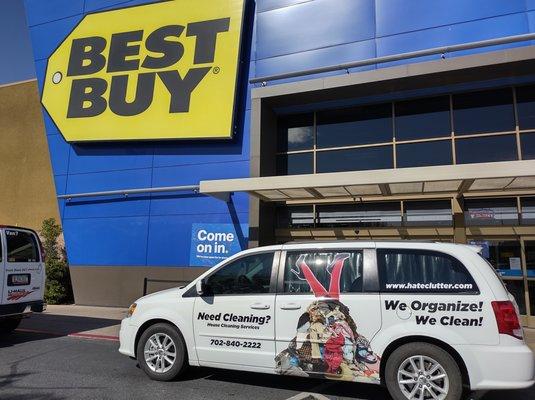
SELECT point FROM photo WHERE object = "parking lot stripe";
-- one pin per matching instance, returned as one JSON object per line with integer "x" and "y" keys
{"x": 93, "y": 336}
{"x": 75, "y": 334}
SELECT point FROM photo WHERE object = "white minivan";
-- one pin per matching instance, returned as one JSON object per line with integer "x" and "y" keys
{"x": 22, "y": 276}
{"x": 428, "y": 320}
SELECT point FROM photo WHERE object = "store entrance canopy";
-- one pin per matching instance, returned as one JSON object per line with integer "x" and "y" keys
{"x": 499, "y": 178}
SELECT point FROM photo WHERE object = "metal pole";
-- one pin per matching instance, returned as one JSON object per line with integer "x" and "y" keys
{"x": 126, "y": 192}
{"x": 398, "y": 57}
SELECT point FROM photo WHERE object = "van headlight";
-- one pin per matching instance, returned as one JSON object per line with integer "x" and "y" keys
{"x": 131, "y": 310}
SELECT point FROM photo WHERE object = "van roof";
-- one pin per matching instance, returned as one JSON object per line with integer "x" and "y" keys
{"x": 429, "y": 244}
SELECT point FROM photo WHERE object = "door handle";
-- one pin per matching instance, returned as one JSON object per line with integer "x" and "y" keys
{"x": 260, "y": 306}
{"x": 290, "y": 306}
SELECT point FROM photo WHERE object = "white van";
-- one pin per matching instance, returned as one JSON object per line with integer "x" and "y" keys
{"x": 22, "y": 276}
{"x": 428, "y": 320}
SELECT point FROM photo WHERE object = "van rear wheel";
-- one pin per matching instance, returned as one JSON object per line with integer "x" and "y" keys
{"x": 423, "y": 371}
{"x": 161, "y": 352}
{"x": 9, "y": 324}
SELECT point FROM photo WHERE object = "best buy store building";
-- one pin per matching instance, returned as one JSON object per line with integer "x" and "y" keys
{"x": 177, "y": 136}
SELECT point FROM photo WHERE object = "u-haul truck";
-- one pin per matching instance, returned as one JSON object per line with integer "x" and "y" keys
{"x": 22, "y": 276}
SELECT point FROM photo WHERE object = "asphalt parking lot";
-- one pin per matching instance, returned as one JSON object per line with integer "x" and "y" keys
{"x": 35, "y": 365}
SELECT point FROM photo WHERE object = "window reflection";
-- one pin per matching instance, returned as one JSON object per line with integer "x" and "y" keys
{"x": 531, "y": 288}
{"x": 355, "y": 159}
{"x": 295, "y": 164}
{"x": 424, "y": 154}
{"x": 516, "y": 288}
{"x": 528, "y": 210}
{"x": 354, "y": 126}
{"x": 428, "y": 213}
{"x": 525, "y": 106}
{"x": 423, "y": 118}
{"x": 473, "y": 113}
{"x": 295, "y": 216}
{"x": 529, "y": 246}
{"x": 527, "y": 141}
{"x": 376, "y": 214}
{"x": 486, "y": 111}
{"x": 504, "y": 256}
{"x": 296, "y": 132}
{"x": 486, "y": 149}
{"x": 482, "y": 212}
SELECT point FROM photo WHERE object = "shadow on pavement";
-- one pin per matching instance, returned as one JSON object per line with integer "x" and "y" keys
{"x": 14, "y": 378}
{"x": 327, "y": 388}
{"x": 44, "y": 326}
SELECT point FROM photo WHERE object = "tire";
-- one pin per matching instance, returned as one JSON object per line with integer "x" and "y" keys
{"x": 9, "y": 324}
{"x": 400, "y": 360}
{"x": 152, "y": 343}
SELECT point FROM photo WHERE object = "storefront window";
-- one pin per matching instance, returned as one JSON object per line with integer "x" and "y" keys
{"x": 353, "y": 215}
{"x": 531, "y": 288}
{"x": 528, "y": 210}
{"x": 482, "y": 212}
{"x": 295, "y": 164}
{"x": 295, "y": 132}
{"x": 424, "y": 154}
{"x": 423, "y": 118}
{"x": 428, "y": 213}
{"x": 529, "y": 246}
{"x": 485, "y": 111}
{"x": 525, "y": 98}
{"x": 354, "y": 126}
{"x": 527, "y": 141}
{"x": 366, "y": 158}
{"x": 486, "y": 149}
{"x": 516, "y": 288}
{"x": 295, "y": 217}
{"x": 504, "y": 256}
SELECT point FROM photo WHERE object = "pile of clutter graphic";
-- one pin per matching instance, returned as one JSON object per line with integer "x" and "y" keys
{"x": 327, "y": 342}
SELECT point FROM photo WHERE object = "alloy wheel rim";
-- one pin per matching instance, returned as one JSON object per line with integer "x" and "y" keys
{"x": 160, "y": 353}
{"x": 422, "y": 378}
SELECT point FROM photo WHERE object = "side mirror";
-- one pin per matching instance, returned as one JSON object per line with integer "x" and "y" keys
{"x": 200, "y": 286}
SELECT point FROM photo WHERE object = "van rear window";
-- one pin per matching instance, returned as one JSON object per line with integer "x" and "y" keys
{"x": 21, "y": 247}
{"x": 403, "y": 270}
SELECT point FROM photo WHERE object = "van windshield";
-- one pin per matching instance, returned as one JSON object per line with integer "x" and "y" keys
{"x": 21, "y": 247}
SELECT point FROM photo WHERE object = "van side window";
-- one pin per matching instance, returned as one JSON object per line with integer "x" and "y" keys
{"x": 323, "y": 272}
{"x": 247, "y": 275}
{"x": 403, "y": 270}
{"x": 21, "y": 247}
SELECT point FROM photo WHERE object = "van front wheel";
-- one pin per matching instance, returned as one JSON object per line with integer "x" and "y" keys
{"x": 161, "y": 352}
{"x": 423, "y": 371}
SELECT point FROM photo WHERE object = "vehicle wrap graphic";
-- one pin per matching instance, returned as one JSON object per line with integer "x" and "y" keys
{"x": 17, "y": 294}
{"x": 327, "y": 342}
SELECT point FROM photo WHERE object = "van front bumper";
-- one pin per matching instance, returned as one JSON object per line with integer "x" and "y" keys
{"x": 127, "y": 338}
{"x": 510, "y": 365}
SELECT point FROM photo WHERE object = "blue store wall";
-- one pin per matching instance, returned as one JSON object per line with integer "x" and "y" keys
{"x": 287, "y": 35}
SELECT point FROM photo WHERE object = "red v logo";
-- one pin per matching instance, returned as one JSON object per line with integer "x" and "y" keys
{"x": 303, "y": 272}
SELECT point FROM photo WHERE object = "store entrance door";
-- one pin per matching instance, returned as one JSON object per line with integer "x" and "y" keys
{"x": 513, "y": 257}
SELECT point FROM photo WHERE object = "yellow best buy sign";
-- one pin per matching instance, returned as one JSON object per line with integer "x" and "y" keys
{"x": 159, "y": 71}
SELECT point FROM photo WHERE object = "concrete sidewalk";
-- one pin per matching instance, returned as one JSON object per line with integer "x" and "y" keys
{"x": 73, "y": 320}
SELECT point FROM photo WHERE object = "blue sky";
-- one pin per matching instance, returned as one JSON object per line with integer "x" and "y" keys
{"x": 16, "y": 57}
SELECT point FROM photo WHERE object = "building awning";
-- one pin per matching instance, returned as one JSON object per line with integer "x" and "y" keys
{"x": 468, "y": 180}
